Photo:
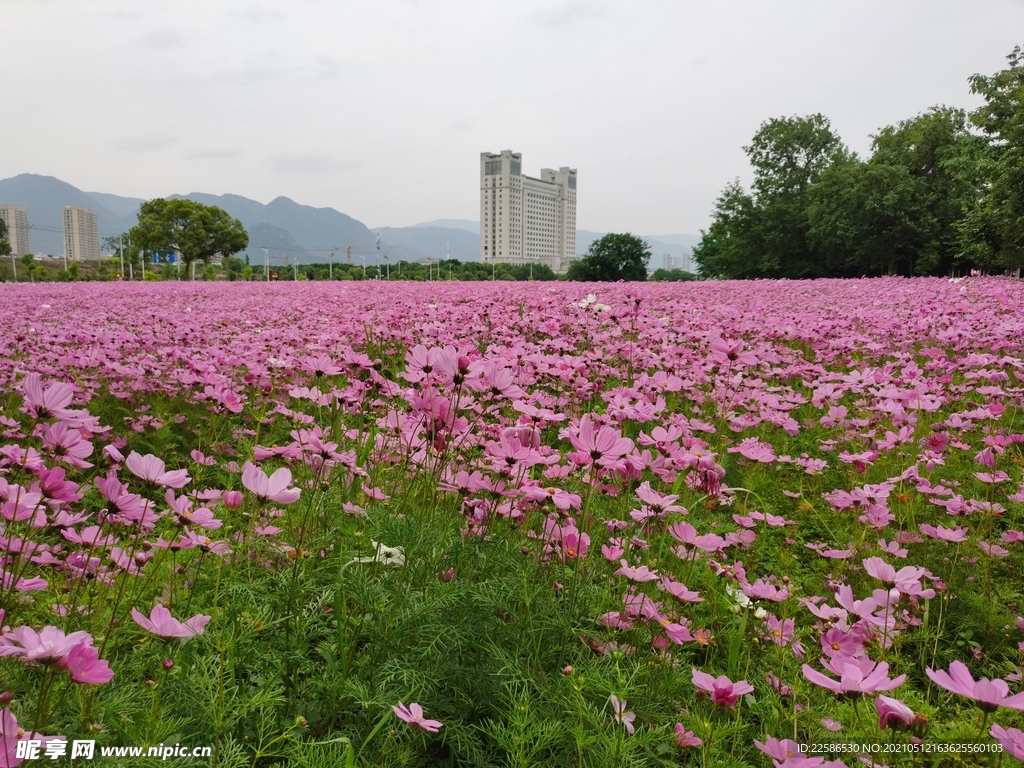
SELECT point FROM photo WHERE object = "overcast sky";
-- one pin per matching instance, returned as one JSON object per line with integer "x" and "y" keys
{"x": 380, "y": 108}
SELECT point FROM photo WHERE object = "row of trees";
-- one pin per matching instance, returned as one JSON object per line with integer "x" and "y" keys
{"x": 941, "y": 192}
{"x": 198, "y": 232}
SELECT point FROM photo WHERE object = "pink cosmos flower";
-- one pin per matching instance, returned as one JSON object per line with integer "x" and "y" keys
{"x": 755, "y": 450}
{"x": 942, "y": 533}
{"x": 731, "y": 351}
{"x": 779, "y": 750}
{"x": 612, "y": 552}
{"x": 163, "y": 625}
{"x": 1011, "y": 740}
{"x": 881, "y": 570}
{"x": 11, "y": 734}
{"x": 91, "y": 536}
{"x": 560, "y": 498}
{"x": 837, "y": 642}
{"x": 989, "y": 695}
{"x": 86, "y": 666}
{"x": 42, "y": 403}
{"x": 856, "y": 676}
{"x": 67, "y": 444}
{"x": 677, "y": 632}
{"x": 724, "y": 692}
{"x": 319, "y": 366}
{"x": 893, "y": 713}
{"x": 687, "y": 534}
{"x": 640, "y": 573}
{"x": 993, "y": 550}
{"x": 55, "y": 489}
{"x": 153, "y": 470}
{"x": 679, "y": 591}
{"x": 47, "y": 646}
{"x": 413, "y": 715}
{"x": 274, "y": 488}
{"x": 621, "y": 715}
{"x": 602, "y": 444}
{"x": 232, "y": 499}
{"x": 685, "y": 738}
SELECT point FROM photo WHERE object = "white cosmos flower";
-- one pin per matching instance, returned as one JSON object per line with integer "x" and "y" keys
{"x": 741, "y": 600}
{"x": 383, "y": 554}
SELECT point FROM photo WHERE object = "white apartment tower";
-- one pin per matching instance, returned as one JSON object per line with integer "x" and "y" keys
{"x": 81, "y": 236}
{"x": 524, "y": 220}
{"x": 16, "y": 219}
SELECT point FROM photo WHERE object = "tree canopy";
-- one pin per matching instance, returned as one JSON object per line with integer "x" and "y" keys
{"x": 993, "y": 230}
{"x": 613, "y": 257}
{"x": 935, "y": 196}
{"x": 195, "y": 231}
{"x": 5, "y": 246}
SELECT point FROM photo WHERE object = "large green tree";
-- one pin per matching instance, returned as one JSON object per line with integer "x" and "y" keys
{"x": 195, "y": 231}
{"x": 613, "y": 257}
{"x": 868, "y": 219}
{"x": 993, "y": 231}
{"x": 943, "y": 158}
{"x": 766, "y": 233}
{"x": 730, "y": 247}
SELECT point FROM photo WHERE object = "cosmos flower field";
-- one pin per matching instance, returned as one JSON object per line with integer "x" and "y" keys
{"x": 446, "y": 524}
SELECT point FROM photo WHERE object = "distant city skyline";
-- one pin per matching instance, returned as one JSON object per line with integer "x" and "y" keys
{"x": 378, "y": 110}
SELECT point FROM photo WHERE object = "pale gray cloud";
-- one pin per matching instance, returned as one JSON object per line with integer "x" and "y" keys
{"x": 307, "y": 163}
{"x": 567, "y": 12}
{"x": 381, "y": 109}
{"x": 163, "y": 39}
{"x": 214, "y": 154}
{"x": 141, "y": 143}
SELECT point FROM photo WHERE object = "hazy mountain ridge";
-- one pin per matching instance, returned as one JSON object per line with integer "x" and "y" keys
{"x": 282, "y": 226}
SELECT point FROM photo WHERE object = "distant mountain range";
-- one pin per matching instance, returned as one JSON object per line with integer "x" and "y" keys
{"x": 282, "y": 226}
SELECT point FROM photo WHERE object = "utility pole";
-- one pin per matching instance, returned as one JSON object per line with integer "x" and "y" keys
{"x": 122, "y": 257}
{"x": 448, "y": 257}
{"x": 330, "y": 267}
{"x": 266, "y": 262}
{"x": 378, "y": 254}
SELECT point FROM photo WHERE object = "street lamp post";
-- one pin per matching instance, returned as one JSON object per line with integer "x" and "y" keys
{"x": 330, "y": 266}
{"x": 266, "y": 262}
{"x": 363, "y": 257}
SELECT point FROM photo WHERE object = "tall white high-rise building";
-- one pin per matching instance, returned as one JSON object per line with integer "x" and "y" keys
{"x": 524, "y": 220}
{"x": 16, "y": 219}
{"x": 81, "y": 236}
